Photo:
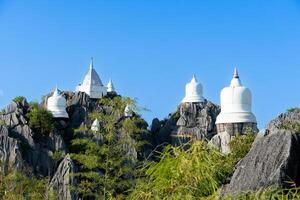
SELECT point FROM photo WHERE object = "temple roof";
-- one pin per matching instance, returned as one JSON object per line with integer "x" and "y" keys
{"x": 92, "y": 77}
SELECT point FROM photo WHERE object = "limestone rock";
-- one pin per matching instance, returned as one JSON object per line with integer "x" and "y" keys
{"x": 272, "y": 160}
{"x": 62, "y": 181}
{"x": 10, "y": 152}
{"x": 191, "y": 120}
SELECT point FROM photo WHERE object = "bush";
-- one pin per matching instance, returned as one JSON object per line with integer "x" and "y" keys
{"x": 240, "y": 146}
{"x": 40, "y": 121}
{"x": 19, "y": 99}
{"x": 295, "y": 109}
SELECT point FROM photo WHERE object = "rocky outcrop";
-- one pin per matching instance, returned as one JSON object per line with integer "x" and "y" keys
{"x": 10, "y": 154}
{"x": 284, "y": 121}
{"x": 63, "y": 181}
{"x": 272, "y": 161}
{"x": 190, "y": 121}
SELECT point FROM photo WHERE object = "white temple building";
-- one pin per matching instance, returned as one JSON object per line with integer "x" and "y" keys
{"x": 56, "y": 104}
{"x": 193, "y": 92}
{"x": 128, "y": 111}
{"x": 236, "y": 103}
{"x": 111, "y": 87}
{"x": 92, "y": 84}
{"x": 96, "y": 126}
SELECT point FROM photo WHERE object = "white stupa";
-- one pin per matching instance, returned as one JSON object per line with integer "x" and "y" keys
{"x": 96, "y": 125}
{"x": 236, "y": 103}
{"x": 193, "y": 92}
{"x": 128, "y": 111}
{"x": 56, "y": 104}
{"x": 111, "y": 87}
{"x": 92, "y": 84}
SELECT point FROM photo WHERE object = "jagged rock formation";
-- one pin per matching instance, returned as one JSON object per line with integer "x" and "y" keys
{"x": 190, "y": 121}
{"x": 21, "y": 149}
{"x": 62, "y": 180}
{"x": 35, "y": 154}
{"x": 272, "y": 160}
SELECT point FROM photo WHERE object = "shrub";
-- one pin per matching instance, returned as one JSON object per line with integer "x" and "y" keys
{"x": 19, "y": 99}
{"x": 40, "y": 121}
{"x": 240, "y": 146}
{"x": 295, "y": 109}
{"x": 292, "y": 127}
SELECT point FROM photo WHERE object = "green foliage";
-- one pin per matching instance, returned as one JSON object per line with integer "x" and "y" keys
{"x": 295, "y": 109}
{"x": 267, "y": 193}
{"x": 195, "y": 173}
{"x": 240, "y": 146}
{"x": 40, "y": 120}
{"x": 2, "y": 123}
{"x": 58, "y": 155}
{"x": 19, "y": 99}
{"x": 2, "y": 112}
{"x": 295, "y": 127}
{"x": 15, "y": 185}
{"x": 183, "y": 174}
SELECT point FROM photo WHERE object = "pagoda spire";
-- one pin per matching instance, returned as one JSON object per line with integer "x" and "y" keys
{"x": 194, "y": 79}
{"x": 236, "y": 73}
{"x": 56, "y": 93}
{"x": 92, "y": 63}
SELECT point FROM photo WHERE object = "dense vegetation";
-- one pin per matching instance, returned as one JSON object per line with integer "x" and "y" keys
{"x": 17, "y": 186}
{"x": 191, "y": 172}
{"x": 107, "y": 158}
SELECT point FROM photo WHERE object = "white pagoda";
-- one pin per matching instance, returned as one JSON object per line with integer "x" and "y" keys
{"x": 128, "y": 111}
{"x": 111, "y": 87}
{"x": 92, "y": 84}
{"x": 193, "y": 92}
{"x": 56, "y": 104}
{"x": 96, "y": 125}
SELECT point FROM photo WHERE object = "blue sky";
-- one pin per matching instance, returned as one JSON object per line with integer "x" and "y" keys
{"x": 151, "y": 49}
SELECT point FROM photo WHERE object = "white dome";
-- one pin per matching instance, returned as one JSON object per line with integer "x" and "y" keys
{"x": 92, "y": 84}
{"x": 56, "y": 104}
{"x": 236, "y": 103}
{"x": 96, "y": 126}
{"x": 128, "y": 111}
{"x": 110, "y": 86}
{"x": 193, "y": 92}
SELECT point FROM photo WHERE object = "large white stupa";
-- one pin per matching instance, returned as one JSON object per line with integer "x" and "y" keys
{"x": 56, "y": 104}
{"x": 193, "y": 92}
{"x": 236, "y": 103}
{"x": 92, "y": 84}
{"x": 111, "y": 87}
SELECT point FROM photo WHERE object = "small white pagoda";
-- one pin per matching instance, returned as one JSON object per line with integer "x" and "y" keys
{"x": 236, "y": 103}
{"x": 92, "y": 84}
{"x": 56, "y": 104}
{"x": 96, "y": 125}
{"x": 193, "y": 92}
{"x": 111, "y": 87}
{"x": 128, "y": 111}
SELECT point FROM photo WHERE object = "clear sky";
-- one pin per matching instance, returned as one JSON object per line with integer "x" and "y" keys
{"x": 152, "y": 48}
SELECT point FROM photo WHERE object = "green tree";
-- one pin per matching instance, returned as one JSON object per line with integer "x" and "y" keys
{"x": 40, "y": 121}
